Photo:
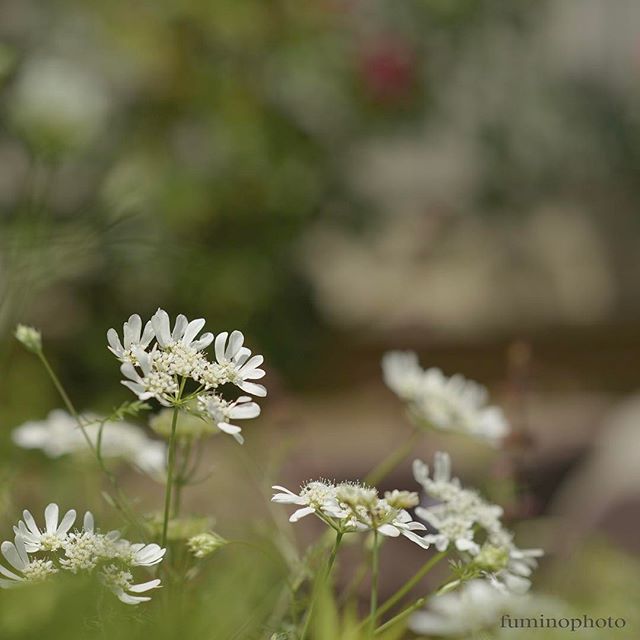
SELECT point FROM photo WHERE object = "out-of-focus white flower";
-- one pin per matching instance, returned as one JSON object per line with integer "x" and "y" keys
{"x": 475, "y": 607}
{"x": 514, "y": 577}
{"x": 447, "y": 404}
{"x": 58, "y": 104}
{"x": 140, "y": 554}
{"x": 402, "y": 373}
{"x": 454, "y": 531}
{"x": 120, "y": 582}
{"x": 222, "y": 412}
{"x": 459, "y": 514}
{"x": 133, "y": 337}
{"x": 37, "y": 554}
{"x": 30, "y": 338}
{"x": 60, "y": 435}
{"x": 28, "y": 570}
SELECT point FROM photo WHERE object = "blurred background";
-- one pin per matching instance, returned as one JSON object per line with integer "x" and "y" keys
{"x": 337, "y": 178}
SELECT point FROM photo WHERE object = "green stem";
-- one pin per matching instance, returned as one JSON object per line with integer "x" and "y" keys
{"x": 375, "y": 570}
{"x": 384, "y": 468}
{"x": 170, "y": 465}
{"x": 320, "y": 583}
{"x": 405, "y": 613}
{"x": 412, "y": 582}
{"x": 65, "y": 398}
{"x": 119, "y": 500}
{"x": 181, "y": 477}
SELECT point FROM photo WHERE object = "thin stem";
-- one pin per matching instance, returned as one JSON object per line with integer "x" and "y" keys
{"x": 119, "y": 500}
{"x": 170, "y": 465}
{"x": 400, "y": 617}
{"x": 65, "y": 398}
{"x": 375, "y": 570}
{"x": 181, "y": 477}
{"x": 412, "y": 582}
{"x": 384, "y": 468}
{"x": 320, "y": 583}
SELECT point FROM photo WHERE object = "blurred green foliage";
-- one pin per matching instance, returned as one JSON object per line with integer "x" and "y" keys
{"x": 174, "y": 153}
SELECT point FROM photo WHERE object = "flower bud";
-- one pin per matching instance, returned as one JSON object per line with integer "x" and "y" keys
{"x": 402, "y": 499}
{"x": 355, "y": 495}
{"x": 205, "y": 544}
{"x": 30, "y": 338}
{"x": 491, "y": 558}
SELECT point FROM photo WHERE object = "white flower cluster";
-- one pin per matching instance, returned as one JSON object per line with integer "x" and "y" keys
{"x": 158, "y": 360}
{"x": 350, "y": 507}
{"x": 477, "y": 606}
{"x": 36, "y": 554}
{"x": 448, "y": 404}
{"x": 59, "y": 435}
{"x": 462, "y": 514}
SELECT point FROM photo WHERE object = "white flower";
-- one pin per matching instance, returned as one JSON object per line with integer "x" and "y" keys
{"x": 120, "y": 582}
{"x": 448, "y": 404}
{"x": 133, "y": 338}
{"x": 236, "y": 365}
{"x": 60, "y": 435}
{"x": 222, "y": 412}
{"x": 59, "y": 549}
{"x": 451, "y": 530}
{"x": 54, "y": 534}
{"x": 401, "y": 523}
{"x": 84, "y": 549}
{"x": 184, "y": 332}
{"x": 459, "y": 514}
{"x": 152, "y": 383}
{"x": 515, "y": 576}
{"x": 475, "y": 607}
{"x": 161, "y": 369}
{"x": 140, "y": 554}
{"x": 367, "y": 512}
{"x": 402, "y": 373}
{"x": 350, "y": 507}
{"x": 59, "y": 103}
{"x": 28, "y": 570}
{"x": 317, "y": 497}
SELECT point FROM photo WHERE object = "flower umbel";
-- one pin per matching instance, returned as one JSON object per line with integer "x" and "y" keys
{"x": 437, "y": 402}
{"x": 37, "y": 554}
{"x": 159, "y": 360}
{"x": 459, "y": 515}
{"x": 350, "y": 507}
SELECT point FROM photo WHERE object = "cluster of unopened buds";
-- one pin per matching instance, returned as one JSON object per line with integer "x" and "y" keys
{"x": 158, "y": 361}
{"x": 37, "y": 553}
